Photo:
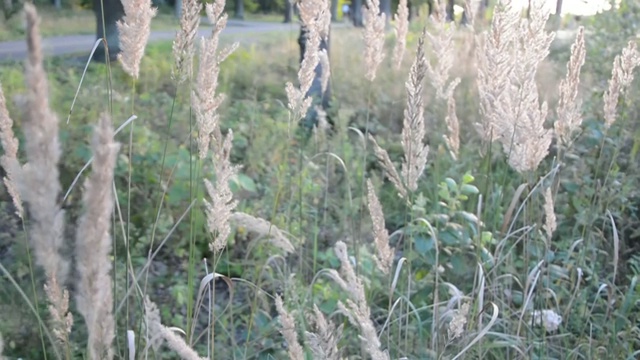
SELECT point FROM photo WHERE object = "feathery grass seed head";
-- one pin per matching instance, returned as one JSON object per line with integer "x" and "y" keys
{"x": 568, "y": 111}
{"x": 134, "y": 31}
{"x": 183, "y": 45}
{"x": 373, "y": 37}
{"x": 93, "y": 244}
{"x": 384, "y": 257}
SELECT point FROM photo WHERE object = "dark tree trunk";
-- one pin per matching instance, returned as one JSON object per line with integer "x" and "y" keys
{"x": 385, "y": 8}
{"x": 334, "y": 10}
{"x": 356, "y": 12}
{"x": 412, "y": 10}
{"x": 558, "y": 8}
{"x": 178, "y": 9}
{"x": 288, "y": 11}
{"x": 450, "y": 14}
{"x": 315, "y": 91}
{"x": 239, "y": 13}
{"x": 482, "y": 8}
{"x": 113, "y": 11}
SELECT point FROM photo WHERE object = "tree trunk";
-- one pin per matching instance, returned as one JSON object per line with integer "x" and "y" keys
{"x": 57, "y": 4}
{"x": 113, "y": 11}
{"x": 412, "y": 10}
{"x": 385, "y": 8}
{"x": 356, "y": 11}
{"x": 288, "y": 11}
{"x": 558, "y": 8}
{"x": 450, "y": 14}
{"x": 239, "y": 13}
{"x": 334, "y": 10}
{"x": 315, "y": 91}
{"x": 178, "y": 9}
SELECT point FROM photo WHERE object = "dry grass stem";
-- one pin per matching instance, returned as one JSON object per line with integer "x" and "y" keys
{"x": 549, "y": 213}
{"x": 221, "y": 204}
{"x": 389, "y": 169}
{"x": 156, "y": 332}
{"x": 134, "y": 31}
{"x": 39, "y": 186}
{"x": 264, "y": 228}
{"x": 384, "y": 257}
{"x": 93, "y": 244}
{"x": 356, "y": 308}
{"x": 288, "y": 330}
{"x": 205, "y": 100}
{"x": 507, "y": 67}
{"x": 568, "y": 111}
{"x": 324, "y": 342}
{"x": 373, "y": 36}
{"x": 183, "y": 45}
{"x": 9, "y": 160}
{"x": 401, "y": 28}
{"x": 621, "y": 78}
{"x": 413, "y": 127}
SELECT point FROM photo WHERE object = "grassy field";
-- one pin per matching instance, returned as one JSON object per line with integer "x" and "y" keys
{"x": 486, "y": 256}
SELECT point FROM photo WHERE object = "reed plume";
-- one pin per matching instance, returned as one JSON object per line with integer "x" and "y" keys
{"x": 401, "y": 28}
{"x": 183, "y": 45}
{"x": 373, "y": 38}
{"x": 621, "y": 78}
{"x": 134, "y": 31}
{"x": 9, "y": 160}
{"x": 93, "y": 244}
{"x": 288, "y": 330}
{"x": 568, "y": 110}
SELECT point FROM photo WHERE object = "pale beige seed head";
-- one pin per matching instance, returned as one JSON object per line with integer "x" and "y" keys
{"x": 93, "y": 244}
{"x": 40, "y": 186}
{"x": 134, "y": 31}
{"x": 288, "y": 330}
{"x": 401, "y": 28}
{"x": 457, "y": 324}
{"x": 568, "y": 111}
{"x": 621, "y": 78}
{"x": 323, "y": 343}
{"x": 384, "y": 253}
{"x": 373, "y": 38}
{"x": 183, "y": 45}
{"x": 262, "y": 227}
{"x": 156, "y": 333}
{"x": 9, "y": 160}
{"x": 61, "y": 317}
{"x": 220, "y": 206}
{"x": 550, "y": 224}
{"x": 389, "y": 169}
{"x": 413, "y": 127}
{"x": 453, "y": 126}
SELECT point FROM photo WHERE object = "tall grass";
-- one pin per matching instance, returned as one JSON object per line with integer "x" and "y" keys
{"x": 469, "y": 248}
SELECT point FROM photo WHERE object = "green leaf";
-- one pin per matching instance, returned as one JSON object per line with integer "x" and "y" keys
{"x": 423, "y": 245}
{"x": 468, "y": 179}
{"x": 453, "y": 186}
{"x": 469, "y": 189}
{"x": 246, "y": 183}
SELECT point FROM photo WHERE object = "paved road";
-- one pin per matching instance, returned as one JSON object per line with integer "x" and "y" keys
{"x": 79, "y": 44}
